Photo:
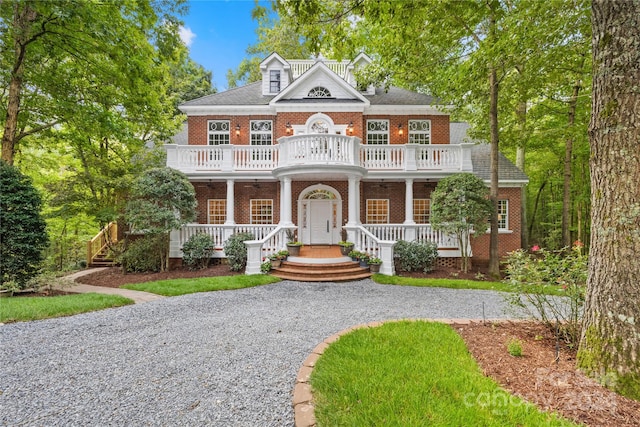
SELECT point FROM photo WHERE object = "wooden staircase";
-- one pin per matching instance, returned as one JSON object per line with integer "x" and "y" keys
{"x": 102, "y": 259}
{"x": 321, "y": 272}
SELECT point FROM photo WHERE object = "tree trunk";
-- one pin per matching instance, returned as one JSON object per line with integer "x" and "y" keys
{"x": 23, "y": 16}
{"x": 610, "y": 344}
{"x": 568, "y": 161}
{"x": 494, "y": 260}
{"x": 521, "y": 114}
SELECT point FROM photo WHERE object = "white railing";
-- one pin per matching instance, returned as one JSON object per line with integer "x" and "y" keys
{"x": 318, "y": 149}
{"x": 387, "y": 231}
{"x": 299, "y": 67}
{"x": 255, "y": 157}
{"x": 412, "y": 232}
{"x": 259, "y": 249}
{"x": 325, "y": 149}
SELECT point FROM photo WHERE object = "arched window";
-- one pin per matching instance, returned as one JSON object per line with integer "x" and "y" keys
{"x": 320, "y": 194}
{"x": 319, "y": 92}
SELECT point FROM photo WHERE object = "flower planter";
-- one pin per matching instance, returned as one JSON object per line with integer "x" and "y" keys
{"x": 345, "y": 249}
{"x": 374, "y": 268}
{"x": 363, "y": 263}
{"x": 294, "y": 250}
{"x": 276, "y": 263}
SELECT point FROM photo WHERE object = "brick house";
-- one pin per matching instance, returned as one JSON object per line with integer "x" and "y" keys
{"x": 308, "y": 149}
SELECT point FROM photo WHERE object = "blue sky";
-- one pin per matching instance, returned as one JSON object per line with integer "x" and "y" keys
{"x": 218, "y": 32}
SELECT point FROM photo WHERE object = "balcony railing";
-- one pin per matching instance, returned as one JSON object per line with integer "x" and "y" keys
{"x": 319, "y": 149}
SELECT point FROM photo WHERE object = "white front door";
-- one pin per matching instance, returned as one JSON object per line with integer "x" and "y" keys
{"x": 320, "y": 223}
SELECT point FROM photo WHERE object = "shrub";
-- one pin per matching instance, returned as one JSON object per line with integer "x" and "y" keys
{"x": 197, "y": 251}
{"x": 236, "y": 251}
{"x": 515, "y": 347}
{"x": 529, "y": 274}
{"x": 416, "y": 255}
{"x": 143, "y": 254}
{"x": 23, "y": 235}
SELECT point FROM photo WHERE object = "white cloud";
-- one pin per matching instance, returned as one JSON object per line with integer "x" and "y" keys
{"x": 186, "y": 35}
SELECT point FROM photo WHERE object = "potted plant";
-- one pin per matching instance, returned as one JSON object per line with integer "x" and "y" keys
{"x": 345, "y": 247}
{"x": 374, "y": 264}
{"x": 265, "y": 266}
{"x": 293, "y": 245}
{"x": 354, "y": 255}
{"x": 364, "y": 259}
{"x": 276, "y": 261}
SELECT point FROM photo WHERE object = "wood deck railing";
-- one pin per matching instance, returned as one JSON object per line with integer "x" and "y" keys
{"x": 108, "y": 235}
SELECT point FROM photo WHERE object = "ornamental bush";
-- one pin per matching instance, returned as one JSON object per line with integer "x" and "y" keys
{"x": 236, "y": 251}
{"x": 23, "y": 235}
{"x": 197, "y": 251}
{"x": 566, "y": 271}
{"x": 144, "y": 254}
{"x": 416, "y": 255}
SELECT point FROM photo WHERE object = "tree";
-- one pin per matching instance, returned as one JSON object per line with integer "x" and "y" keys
{"x": 460, "y": 206}
{"x": 273, "y": 36}
{"x": 610, "y": 344}
{"x": 102, "y": 66}
{"x": 162, "y": 200}
{"x": 23, "y": 235}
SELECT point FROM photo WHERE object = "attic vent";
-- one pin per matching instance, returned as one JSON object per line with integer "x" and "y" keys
{"x": 319, "y": 92}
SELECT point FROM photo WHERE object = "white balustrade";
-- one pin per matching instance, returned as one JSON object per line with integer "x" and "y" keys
{"x": 325, "y": 149}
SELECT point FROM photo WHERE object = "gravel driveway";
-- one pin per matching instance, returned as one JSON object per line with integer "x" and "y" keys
{"x": 225, "y": 358}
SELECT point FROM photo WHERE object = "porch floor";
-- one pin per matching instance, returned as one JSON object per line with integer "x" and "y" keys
{"x": 319, "y": 254}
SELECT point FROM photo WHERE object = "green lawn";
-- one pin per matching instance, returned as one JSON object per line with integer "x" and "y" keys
{"x": 412, "y": 374}
{"x": 176, "y": 287}
{"x": 463, "y": 284}
{"x": 18, "y": 309}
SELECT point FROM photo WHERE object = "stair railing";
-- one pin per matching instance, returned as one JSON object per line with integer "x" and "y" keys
{"x": 257, "y": 250}
{"x": 106, "y": 236}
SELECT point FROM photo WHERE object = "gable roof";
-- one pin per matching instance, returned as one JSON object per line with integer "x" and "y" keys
{"x": 398, "y": 96}
{"x": 320, "y": 70}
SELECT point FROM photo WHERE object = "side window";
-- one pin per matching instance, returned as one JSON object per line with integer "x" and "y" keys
{"x": 261, "y": 132}
{"x": 377, "y": 211}
{"x": 274, "y": 81}
{"x": 218, "y": 132}
{"x": 217, "y": 211}
{"x": 261, "y": 211}
{"x": 419, "y": 131}
{"x": 421, "y": 210}
{"x": 503, "y": 214}
{"x": 377, "y": 131}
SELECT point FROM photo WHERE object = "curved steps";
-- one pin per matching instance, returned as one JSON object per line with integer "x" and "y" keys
{"x": 321, "y": 272}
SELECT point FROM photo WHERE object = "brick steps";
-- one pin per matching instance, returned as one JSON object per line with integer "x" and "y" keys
{"x": 317, "y": 272}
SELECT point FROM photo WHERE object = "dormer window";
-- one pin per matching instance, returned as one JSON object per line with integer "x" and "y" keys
{"x": 319, "y": 92}
{"x": 274, "y": 81}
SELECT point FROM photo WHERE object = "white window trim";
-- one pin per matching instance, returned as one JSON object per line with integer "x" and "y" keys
{"x": 367, "y": 211}
{"x": 253, "y": 132}
{"x": 378, "y": 132}
{"x": 226, "y": 132}
{"x": 251, "y": 202}
{"x": 414, "y": 210}
{"x": 506, "y": 215}
{"x": 224, "y": 219}
{"x": 272, "y": 80}
{"x": 419, "y": 131}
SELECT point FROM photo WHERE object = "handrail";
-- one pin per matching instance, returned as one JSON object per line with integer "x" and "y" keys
{"x": 259, "y": 249}
{"x": 106, "y": 236}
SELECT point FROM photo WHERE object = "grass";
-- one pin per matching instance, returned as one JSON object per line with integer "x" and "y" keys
{"x": 20, "y": 309}
{"x": 412, "y": 374}
{"x": 175, "y": 287}
{"x": 465, "y": 284}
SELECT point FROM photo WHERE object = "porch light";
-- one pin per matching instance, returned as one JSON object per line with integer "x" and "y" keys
{"x": 400, "y": 130}
{"x": 288, "y": 126}
{"x": 237, "y": 130}
{"x": 350, "y": 128}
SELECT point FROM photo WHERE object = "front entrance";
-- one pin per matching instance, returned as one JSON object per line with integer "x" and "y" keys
{"x": 320, "y": 215}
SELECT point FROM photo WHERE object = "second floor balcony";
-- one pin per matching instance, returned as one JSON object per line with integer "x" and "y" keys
{"x": 319, "y": 149}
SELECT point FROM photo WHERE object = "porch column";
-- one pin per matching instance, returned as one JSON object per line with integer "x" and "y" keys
{"x": 410, "y": 224}
{"x": 408, "y": 201}
{"x": 285, "y": 201}
{"x": 230, "y": 202}
{"x": 354, "y": 201}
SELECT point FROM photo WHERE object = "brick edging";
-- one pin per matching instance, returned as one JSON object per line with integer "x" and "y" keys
{"x": 303, "y": 407}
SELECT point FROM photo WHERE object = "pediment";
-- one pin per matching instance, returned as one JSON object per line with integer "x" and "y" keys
{"x": 309, "y": 87}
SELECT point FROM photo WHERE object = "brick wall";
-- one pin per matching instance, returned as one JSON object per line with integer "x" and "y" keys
{"x": 507, "y": 242}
